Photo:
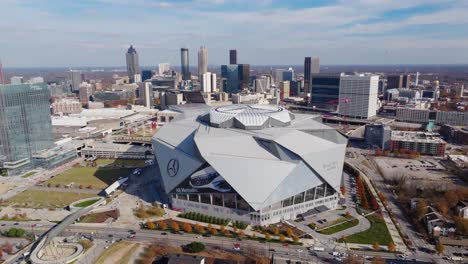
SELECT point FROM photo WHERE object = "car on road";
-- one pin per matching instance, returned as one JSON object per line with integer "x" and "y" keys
{"x": 131, "y": 236}
{"x": 299, "y": 250}
{"x": 110, "y": 235}
{"x": 3, "y": 224}
{"x": 163, "y": 233}
{"x": 272, "y": 250}
{"x": 16, "y": 223}
{"x": 236, "y": 247}
{"x": 314, "y": 254}
{"x": 207, "y": 235}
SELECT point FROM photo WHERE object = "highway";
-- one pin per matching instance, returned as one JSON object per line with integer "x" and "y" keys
{"x": 290, "y": 252}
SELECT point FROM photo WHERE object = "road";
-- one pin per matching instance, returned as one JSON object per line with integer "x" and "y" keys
{"x": 297, "y": 253}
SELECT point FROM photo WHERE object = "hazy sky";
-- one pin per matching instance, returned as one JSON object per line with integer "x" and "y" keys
{"x": 98, "y": 32}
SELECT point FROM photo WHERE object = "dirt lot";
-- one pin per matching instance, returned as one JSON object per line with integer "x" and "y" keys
{"x": 100, "y": 217}
{"x": 424, "y": 170}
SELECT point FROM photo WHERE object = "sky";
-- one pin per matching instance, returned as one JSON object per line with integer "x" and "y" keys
{"x": 75, "y": 33}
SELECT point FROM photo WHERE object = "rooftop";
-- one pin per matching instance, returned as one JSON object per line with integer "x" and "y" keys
{"x": 422, "y": 137}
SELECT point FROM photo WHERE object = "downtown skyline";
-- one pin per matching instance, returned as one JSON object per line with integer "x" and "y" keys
{"x": 95, "y": 33}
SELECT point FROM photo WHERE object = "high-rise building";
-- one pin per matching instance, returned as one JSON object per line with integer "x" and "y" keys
{"x": 416, "y": 82}
{"x": 358, "y": 95}
{"x": 394, "y": 81}
{"x": 16, "y": 80}
{"x": 283, "y": 75}
{"x": 325, "y": 91}
{"x": 209, "y": 82}
{"x": 25, "y": 123}
{"x": 284, "y": 89}
{"x": 164, "y": 68}
{"x": 185, "y": 64}
{"x": 244, "y": 71}
{"x": 237, "y": 77}
{"x": 75, "y": 80}
{"x": 315, "y": 65}
{"x": 146, "y": 75}
{"x": 406, "y": 81}
{"x": 307, "y": 72}
{"x": 233, "y": 56}
{"x": 202, "y": 62}
{"x": 86, "y": 90}
{"x": 133, "y": 67}
{"x": 37, "y": 79}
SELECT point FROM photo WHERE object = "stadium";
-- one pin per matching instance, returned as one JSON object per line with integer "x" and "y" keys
{"x": 259, "y": 164}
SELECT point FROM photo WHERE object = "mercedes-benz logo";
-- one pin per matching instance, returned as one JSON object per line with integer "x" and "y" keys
{"x": 172, "y": 167}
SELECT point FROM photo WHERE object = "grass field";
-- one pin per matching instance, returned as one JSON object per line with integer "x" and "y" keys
{"x": 98, "y": 178}
{"x": 86, "y": 203}
{"x": 378, "y": 232}
{"x": 29, "y": 174}
{"x": 340, "y": 227}
{"x": 117, "y": 248}
{"x": 121, "y": 162}
{"x": 45, "y": 199}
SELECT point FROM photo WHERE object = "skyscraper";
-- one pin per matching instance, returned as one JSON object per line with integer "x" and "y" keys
{"x": 394, "y": 81}
{"x": 25, "y": 124}
{"x": 358, "y": 95}
{"x": 237, "y": 77}
{"x": 315, "y": 65}
{"x": 133, "y": 67}
{"x": 202, "y": 62}
{"x": 146, "y": 75}
{"x": 233, "y": 56}
{"x": 75, "y": 80}
{"x": 184, "y": 64}
{"x": 86, "y": 90}
{"x": 164, "y": 68}
{"x": 284, "y": 75}
{"x": 307, "y": 72}
{"x": 406, "y": 81}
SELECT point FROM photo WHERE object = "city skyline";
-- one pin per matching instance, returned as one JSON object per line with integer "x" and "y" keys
{"x": 339, "y": 32}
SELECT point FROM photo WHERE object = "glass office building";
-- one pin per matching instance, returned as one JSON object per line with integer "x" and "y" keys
{"x": 237, "y": 77}
{"x": 325, "y": 91}
{"x": 25, "y": 124}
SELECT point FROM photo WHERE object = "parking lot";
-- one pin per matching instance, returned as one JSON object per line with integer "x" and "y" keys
{"x": 425, "y": 170}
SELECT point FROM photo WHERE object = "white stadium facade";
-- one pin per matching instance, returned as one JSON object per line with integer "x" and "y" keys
{"x": 259, "y": 164}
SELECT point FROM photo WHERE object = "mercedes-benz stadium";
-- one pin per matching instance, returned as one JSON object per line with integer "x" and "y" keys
{"x": 259, "y": 164}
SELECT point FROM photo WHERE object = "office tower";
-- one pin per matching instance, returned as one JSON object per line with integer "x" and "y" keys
{"x": 416, "y": 82}
{"x": 315, "y": 65}
{"x": 146, "y": 75}
{"x": 184, "y": 64}
{"x": 406, "y": 81}
{"x": 284, "y": 75}
{"x": 381, "y": 86}
{"x": 394, "y": 81}
{"x": 164, "y": 68}
{"x": 261, "y": 84}
{"x": 146, "y": 94}
{"x": 133, "y": 67}
{"x": 325, "y": 90}
{"x": 358, "y": 95}
{"x": 307, "y": 72}
{"x": 284, "y": 89}
{"x": 25, "y": 124}
{"x": 214, "y": 88}
{"x": 86, "y": 90}
{"x": 232, "y": 56}
{"x": 75, "y": 80}
{"x": 295, "y": 88}
{"x": 202, "y": 62}
{"x": 206, "y": 82}
{"x": 16, "y": 80}
{"x": 237, "y": 77}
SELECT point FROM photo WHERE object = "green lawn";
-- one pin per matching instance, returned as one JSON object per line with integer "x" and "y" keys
{"x": 46, "y": 199}
{"x": 121, "y": 162}
{"x": 378, "y": 232}
{"x": 98, "y": 178}
{"x": 334, "y": 229}
{"x": 86, "y": 203}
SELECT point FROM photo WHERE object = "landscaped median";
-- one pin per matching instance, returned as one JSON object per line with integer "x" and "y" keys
{"x": 179, "y": 227}
{"x": 339, "y": 225}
